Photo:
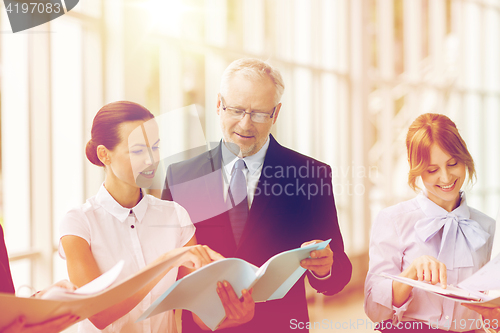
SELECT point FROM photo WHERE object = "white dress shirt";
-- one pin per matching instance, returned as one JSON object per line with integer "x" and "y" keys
{"x": 252, "y": 172}
{"x": 395, "y": 243}
{"x": 138, "y": 236}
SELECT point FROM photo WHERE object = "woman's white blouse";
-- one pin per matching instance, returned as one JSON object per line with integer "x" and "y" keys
{"x": 138, "y": 236}
{"x": 394, "y": 244}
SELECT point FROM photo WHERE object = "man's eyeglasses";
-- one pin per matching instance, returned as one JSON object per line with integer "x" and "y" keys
{"x": 256, "y": 117}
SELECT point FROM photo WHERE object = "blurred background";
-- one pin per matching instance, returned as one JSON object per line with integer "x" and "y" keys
{"x": 357, "y": 73}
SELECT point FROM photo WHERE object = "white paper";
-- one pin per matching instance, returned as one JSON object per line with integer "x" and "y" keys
{"x": 456, "y": 294}
{"x": 103, "y": 281}
{"x": 486, "y": 278}
{"x": 38, "y": 310}
{"x": 93, "y": 287}
{"x": 452, "y": 291}
{"x": 280, "y": 273}
{"x": 197, "y": 292}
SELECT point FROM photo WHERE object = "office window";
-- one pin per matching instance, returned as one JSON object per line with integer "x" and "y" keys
{"x": 357, "y": 73}
{"x": 51, "y": 87}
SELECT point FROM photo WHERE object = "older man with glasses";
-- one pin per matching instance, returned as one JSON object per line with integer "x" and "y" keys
{"x": 252, "y": 198}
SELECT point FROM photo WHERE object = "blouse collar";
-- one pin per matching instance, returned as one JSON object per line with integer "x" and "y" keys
{"x": 114, "y": 208}
{"x": 432, "y": 209}
{"x": 460, "y": 235}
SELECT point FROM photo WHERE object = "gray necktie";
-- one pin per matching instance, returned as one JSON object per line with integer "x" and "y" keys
{"x": 238, "y": 195}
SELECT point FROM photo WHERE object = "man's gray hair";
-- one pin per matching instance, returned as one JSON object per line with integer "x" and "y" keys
{"x": 253, "y": 68}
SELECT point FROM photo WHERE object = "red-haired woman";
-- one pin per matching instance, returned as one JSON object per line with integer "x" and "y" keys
{"x": 122, "y": 223}
{"x": 435, "y": 237}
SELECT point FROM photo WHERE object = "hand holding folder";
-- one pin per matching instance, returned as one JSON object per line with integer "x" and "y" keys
{"x": 90, "y": 299}
{"x": 197, "y": 291}
{"x": 470, "y": 290}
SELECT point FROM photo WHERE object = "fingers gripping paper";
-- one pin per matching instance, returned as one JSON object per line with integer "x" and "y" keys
{"x": 96, "y": 296}
{"x": 197, "y": 292}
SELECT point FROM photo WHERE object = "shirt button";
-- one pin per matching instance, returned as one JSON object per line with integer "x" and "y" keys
{"x": 447, "y": 317}
{"x": 132, "y": 226}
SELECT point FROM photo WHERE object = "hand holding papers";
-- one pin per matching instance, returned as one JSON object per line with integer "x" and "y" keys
{"x": 452, "y": 292}
{"x": 65, "y": 291}
{"x": 469, "y": 290}
{"x": 489, "y": 314}
{"x": 84, "y": 303}
{"x": 93, "y": 287}
{"x": 197, "y": 291}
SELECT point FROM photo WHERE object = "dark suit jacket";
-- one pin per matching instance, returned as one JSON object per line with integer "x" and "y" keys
{"x": 293, "y": 204}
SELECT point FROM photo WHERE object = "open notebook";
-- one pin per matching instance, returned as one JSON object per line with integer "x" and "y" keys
{"x": 197, "y": 291}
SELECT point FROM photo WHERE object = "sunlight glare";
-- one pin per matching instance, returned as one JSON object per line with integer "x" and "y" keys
{"x": 166, "y": 15}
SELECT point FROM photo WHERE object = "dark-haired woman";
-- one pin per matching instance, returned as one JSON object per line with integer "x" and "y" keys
{"x": 435, "y": 237}
{"x": 122, "y": 223}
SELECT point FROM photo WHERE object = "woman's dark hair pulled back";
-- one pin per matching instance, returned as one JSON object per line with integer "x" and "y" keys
{"x": 106, "y": 124}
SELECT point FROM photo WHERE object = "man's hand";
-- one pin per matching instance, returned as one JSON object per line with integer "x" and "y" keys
{"x": 53, "y": 325}
{"x": 321, "y": 261}
{"x": 238, "y": 311}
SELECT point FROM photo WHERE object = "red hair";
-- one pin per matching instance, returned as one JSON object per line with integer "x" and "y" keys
{"x": 429, "y": 129}
{"x": 106, "y": 126}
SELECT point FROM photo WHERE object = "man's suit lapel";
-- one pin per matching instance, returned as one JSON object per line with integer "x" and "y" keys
{"x": 214, "y": 167}
{"x": 214, "y": 157}
{"x": 199, "y": 188}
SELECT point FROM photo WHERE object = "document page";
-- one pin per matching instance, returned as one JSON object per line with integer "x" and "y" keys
{"x": 450, "y": 290}
{"x": 38, "y": 310}
{"x": 280, "y": 273}
{"x": 486, "y": 278}
{"x": 197, "y": 293}
{"x": 93, "y": 287}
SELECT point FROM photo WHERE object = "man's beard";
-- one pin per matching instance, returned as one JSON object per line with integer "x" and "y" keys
{"x": 237, "y": 149}
{"x": 232, "y": 146}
